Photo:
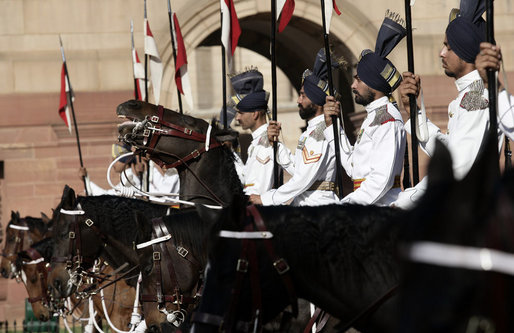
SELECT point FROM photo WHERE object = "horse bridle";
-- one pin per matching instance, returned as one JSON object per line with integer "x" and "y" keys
{"x": 42, "y": 272}
{"x": 156, "y": 126}
{"x": 74, "y": 262}
{"x": 248, "y": 262}
{"x": 153, "y": 130}
{"x": 18, "y": 241}
{"x": 159, "y": 243}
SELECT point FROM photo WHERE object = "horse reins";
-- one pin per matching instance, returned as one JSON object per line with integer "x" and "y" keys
{"x": 247, "y": 262}
{"x": 161, "y": 236}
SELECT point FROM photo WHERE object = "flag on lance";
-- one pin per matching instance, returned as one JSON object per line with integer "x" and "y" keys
{"x": 64, "y": 107}
{"x": 155, "y": 61}
{"x": 181, "y": 73}
{"x": 230, "y": 29}
{"x": 285, "y": 9}
{"x": 330, "y": 5}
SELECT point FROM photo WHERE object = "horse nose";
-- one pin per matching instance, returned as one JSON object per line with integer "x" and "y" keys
{"x": 167, "y": 328}
{"x": 43, "y": 317}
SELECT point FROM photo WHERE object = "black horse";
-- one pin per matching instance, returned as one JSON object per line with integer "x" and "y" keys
{"x": 452, "y": 280}
{"x": 205, "y": 165}
{"x": 341, "y": 258}
{"x": 104, "y": 229}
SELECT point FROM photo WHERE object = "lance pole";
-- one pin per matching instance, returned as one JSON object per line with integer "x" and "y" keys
{"x": 491, "y": 73}
{"x": 339, "y": 175}
{"x": 70, "y": 100}
{"x": 172, "y": 32}
{"x": 412, "y": 98}
{"x": 223, "y": 74}
{"x": 146, "y": 59}
{"x": 136, "y": 93}
{"x": 276, "y": 173}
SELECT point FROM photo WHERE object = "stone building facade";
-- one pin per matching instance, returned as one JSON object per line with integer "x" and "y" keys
{"x": 40, "y": 156}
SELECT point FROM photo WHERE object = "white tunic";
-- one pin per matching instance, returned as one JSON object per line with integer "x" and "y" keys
{"x": 313, "y": 161}
{"x": 468, "y": 121}
{"x": 377, "y": 156}
{"x": 258, "y": 170}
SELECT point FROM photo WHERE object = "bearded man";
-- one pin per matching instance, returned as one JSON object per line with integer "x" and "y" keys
{"x": 313, "y": 176}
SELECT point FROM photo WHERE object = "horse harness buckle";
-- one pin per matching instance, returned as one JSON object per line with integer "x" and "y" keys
{"x": 154, "y": 119}
{"x": 281, "y": 266}
{"x": 242, "y": 265}
{"x": 188, "y": 131}
{"x": 182, "y": 251}
{"x": 71, "y": 235}
{"x": 146, "y": 133}
{"x": 89, "y": 222}
{"x": 157, "y": 256}
{"x": 195, "y": 153}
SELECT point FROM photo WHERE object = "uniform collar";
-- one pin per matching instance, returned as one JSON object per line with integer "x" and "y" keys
{"x": 258, "y": 132}
{"x": 377, "y": 103}
{"x": 315, "y": 121}
{"x": 467, "y": 79}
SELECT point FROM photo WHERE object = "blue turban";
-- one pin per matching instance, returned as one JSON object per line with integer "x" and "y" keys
{"x": 374, "y": 68}
{"x": 466, "y": 30}
{"x": 315, "y": 82}
{"x": 250, "y": 95}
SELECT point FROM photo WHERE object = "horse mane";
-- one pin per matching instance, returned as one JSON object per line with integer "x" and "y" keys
{"x": 37, "y": 224}
{"x": 116, "y": 214}
{"x": 343, "y": 235}
{"x": 44, "y": 247}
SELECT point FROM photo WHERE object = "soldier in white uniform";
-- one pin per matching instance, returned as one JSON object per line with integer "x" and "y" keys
{"x": 469, "y": 112}
{"x": 490, "y": 57}
{"x": 375, "y": 161}
{"x": 251, "y": 105}
{"x": 313, "y": 178}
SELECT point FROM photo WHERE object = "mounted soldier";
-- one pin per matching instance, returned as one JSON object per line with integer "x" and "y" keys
{"x": 314, "y": 174}
{"x": 469, "y": 112}
{"x": 375, "y": 161}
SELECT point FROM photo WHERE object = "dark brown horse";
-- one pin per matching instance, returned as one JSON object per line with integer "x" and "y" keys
{"x": 184, "y": 142}
{"x": 21, "y": 233}
{"x": 458, "y": 250}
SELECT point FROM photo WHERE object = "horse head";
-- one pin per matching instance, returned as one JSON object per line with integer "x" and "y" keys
{"x": 450, "y": 244}
{"x": 21, "y": 233}
{"x": 33, "y": 266}
{"x": 174, "y": 140}
{"x": 172, "y": 256}
{"x": 75, "y": 247}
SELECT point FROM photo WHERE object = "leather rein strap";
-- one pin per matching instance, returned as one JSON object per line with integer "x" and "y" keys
{"x": 175, "y": 131}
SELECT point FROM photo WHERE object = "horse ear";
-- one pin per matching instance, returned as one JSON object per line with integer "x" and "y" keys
{"x": 440, "y": 169}
{"x": 45, "y": 218}
{"x": 13, "y": 215}
{"x": 68, "y": 198}
{"x": 144, "y": 227}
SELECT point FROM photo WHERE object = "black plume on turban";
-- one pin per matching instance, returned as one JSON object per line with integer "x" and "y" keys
{"x": 374, "y": 68}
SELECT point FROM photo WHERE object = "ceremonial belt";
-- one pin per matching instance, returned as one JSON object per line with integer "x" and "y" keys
{"x": 323, "y": 185}
{"x": 248, "y": 185}
{"x": 357, "y": 182}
